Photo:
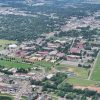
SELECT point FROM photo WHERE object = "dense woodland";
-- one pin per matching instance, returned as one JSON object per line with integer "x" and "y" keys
{"x": 17, "y": 27}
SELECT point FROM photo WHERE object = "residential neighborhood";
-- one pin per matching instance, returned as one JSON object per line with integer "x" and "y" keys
{"x": 49, "y": 50}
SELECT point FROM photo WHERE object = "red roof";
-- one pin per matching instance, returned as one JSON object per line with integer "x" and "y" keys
{"x": 60, "y": 54}
{"x": 75, "y": 50}
{"x": 43, "y": 52}
{"x": 80, "y": 45}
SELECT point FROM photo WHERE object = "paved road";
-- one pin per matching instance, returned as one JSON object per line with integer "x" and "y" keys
{"x": 72, "y": 43}
{"x": 93, "y": 66}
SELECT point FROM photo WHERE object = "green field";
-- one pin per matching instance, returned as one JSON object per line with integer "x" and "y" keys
{"x": 81, "y": 82}
{"x": 55, "y": 97}
{"x": 10, "y": 64}
{"x": 96, "y": 73}
{"x": 46, "y": 65}
{"x": 98, "y": 31}
{"x": 6, "y": 97}
{"x": 80, "y": 72}
{"x": 15, "y": 64}
{"x": 95, "y": 42}
{"x": 4, "y": 43}
{"x": 24, "y": 98}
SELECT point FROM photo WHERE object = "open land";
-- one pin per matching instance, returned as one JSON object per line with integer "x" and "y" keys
{"x": 49, "y": 51}
{"x": 13, "y": 64}
{"x": 81, "y": 82}
{"x": 79, "y": 72}
{"x": 96, "y": 72}
{"x": 5, "y": 43}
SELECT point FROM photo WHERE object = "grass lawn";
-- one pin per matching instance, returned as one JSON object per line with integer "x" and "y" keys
{"x": 98, "y": 31}
{"x": 95, "y": 42}
{"x": 3, "y": 43}
{"x": 96, "y": 73}
{"x": 10, "y": 64}
{"x": 24, "y": 98}
{"x": 46, "y": 65}
{"x": 80, "y": 72}
{"x": 55, "y": 97}
{"x": 14, "y": 64}
{"x": 81, "y": 82}
{"x": 6, "y": 97}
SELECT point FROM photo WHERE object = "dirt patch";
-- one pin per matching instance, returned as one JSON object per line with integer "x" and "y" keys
{"x": 71, "y": 69}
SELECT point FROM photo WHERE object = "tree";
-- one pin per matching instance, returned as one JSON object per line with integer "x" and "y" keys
{"x": 65, "y": 87}
{"x": 61, "y": 93}
{"x": 71, "y": 96}
{"x": 83, "y": 97}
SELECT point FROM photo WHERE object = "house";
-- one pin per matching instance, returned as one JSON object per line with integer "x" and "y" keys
{"x": 53, "y": 45}
{"x": 12, "y": 46}
{"x": 39, "y": 40}
{"x": 72, "y": 57}
{"x": 13, "y": 70}
{"x": 36, "y": 59}
{"x": 53, "y": 53}
{"x": 80, "y": 45}
{"x": 43, "y": 53}
{"x": 29, "y": 48}
{"x": 75, "y": 50}
{"x": 96, "y": 43}
{"x": 61, "y": 42}
{"x": 47, "y": 49}
{"x": 53, "y": 61}
{"x": 48, "y": 58}
{"x": 60, "y": 54}
{"x": 89, "y": 53}
{"x": 49, "y": 76}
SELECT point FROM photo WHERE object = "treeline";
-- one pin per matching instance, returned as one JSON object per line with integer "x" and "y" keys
{"x": 23, "y": 28}
{"x": 5, "y": 98}
{"x": 58, "y": 86}
{"x": 86, "y": 32}
{"x": 20, "y": 28}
